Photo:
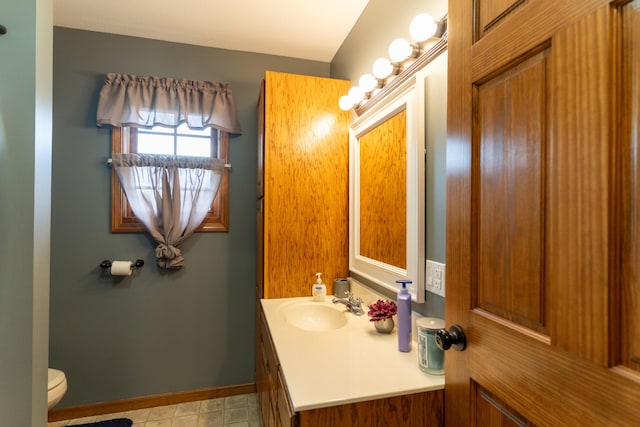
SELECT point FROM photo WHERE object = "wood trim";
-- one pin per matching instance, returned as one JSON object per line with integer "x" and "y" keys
{"x": 217, "y": 218}
{"x": 71, "y": 412}
{"x": 122, "y": 219}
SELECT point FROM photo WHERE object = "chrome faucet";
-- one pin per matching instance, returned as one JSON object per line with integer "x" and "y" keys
{"x": 354, "y": 305}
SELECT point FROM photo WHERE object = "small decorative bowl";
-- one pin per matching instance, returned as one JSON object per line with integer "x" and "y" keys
{"x": 384, "y": 326}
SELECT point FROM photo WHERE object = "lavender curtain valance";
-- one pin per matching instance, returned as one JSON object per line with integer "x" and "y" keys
{"x": 130, "y": 100}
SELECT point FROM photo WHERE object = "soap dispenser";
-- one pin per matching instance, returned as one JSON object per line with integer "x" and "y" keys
{"x": 404, "y": 317}
{"x": 319, "y": 289}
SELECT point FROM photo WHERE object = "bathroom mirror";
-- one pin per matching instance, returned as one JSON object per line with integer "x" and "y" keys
{"x": 383, "y": 196}
{"x": 387, "y": 188}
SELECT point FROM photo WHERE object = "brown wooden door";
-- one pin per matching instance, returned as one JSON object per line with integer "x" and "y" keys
{"x": 543, "y": 230}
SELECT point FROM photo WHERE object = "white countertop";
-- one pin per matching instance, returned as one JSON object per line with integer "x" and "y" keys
{"x": 350, "y": 364}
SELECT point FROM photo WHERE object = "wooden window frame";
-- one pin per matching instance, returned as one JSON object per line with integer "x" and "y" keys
{"x": 123, "y": 220}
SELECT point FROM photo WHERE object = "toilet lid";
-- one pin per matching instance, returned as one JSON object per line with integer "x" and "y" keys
{"x": 56, "y": 378}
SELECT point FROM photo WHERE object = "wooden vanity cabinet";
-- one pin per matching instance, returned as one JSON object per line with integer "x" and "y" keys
{"x": 418, "y": 409}
{"x": 275, "y": 405}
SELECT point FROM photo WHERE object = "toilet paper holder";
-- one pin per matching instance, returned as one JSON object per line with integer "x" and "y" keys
{"x": 107, "y": 264}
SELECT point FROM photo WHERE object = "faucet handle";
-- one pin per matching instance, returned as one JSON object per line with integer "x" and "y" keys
{"x": 357, "y": 306}
{"x": 355, "y": 301}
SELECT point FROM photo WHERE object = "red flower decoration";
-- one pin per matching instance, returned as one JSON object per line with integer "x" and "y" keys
{"x": 382, "y": 310}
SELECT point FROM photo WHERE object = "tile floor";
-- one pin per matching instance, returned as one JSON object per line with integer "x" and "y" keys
{"x": 233, "y": 411}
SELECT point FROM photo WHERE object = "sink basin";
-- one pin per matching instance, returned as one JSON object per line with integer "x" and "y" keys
{"x": 314, "y": 316}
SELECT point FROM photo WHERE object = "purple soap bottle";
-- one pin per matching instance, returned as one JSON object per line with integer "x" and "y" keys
{"x": 404, "y": 317}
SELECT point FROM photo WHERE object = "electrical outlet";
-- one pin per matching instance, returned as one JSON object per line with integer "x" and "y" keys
{"x": 435, "y": 277}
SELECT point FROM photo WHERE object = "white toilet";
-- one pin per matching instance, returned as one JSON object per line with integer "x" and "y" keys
{"x": 57, "y": 387}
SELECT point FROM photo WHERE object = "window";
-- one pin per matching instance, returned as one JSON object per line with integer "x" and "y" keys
{"x": 181, "y": 141}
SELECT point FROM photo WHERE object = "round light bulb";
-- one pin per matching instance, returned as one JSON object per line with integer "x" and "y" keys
{"x": 382, "y": 68}
{"x": 422, "y": 27}
{"x": 356, "y": 94}
{"x": 345, "y": 103}
{"x": 367, "y": 82}
{"x": 399, "y": 50}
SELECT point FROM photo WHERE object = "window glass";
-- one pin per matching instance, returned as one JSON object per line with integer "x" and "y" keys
{"x": 150, "y": 143}
{"x": 190, "y": 146}
{"x": 181, "y": 141}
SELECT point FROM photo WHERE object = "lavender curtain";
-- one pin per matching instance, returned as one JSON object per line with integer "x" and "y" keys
{"x": 170, "y": 195}
{"x": 130, "y": 100}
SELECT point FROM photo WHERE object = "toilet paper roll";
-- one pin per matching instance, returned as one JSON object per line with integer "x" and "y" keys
{"x": 121, "y": 268}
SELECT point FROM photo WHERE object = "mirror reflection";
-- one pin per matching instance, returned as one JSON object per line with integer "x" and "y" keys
{"x": 383, "y": 196}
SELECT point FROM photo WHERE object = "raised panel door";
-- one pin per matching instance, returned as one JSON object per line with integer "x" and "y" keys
{"x": 542, "y": 241}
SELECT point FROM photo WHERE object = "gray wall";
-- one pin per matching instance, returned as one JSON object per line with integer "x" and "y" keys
{"x": 155, "y": 332}
{"x": 25, "y": 196}
{"x": 380, "y": 23}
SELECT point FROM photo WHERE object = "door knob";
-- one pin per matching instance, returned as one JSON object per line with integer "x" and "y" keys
{"x": 454, "y": 337}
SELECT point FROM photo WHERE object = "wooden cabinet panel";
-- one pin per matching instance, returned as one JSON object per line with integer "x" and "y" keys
{"x": 305, "y": 149}
{"x": 285, "y": 411}
{"x": 491, "y": 12}
{"x": 420, "y": 409}
{"x": 579, "y": 192}
{"x": 491, "y": 411}
{"x": 511, "y": 128}
{"x": 263, "y": 383}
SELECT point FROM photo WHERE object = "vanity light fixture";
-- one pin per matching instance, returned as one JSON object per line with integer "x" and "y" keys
{"x": 345, "y": 103}
{"x": 382, "y": 68}
{"x": 356, "y": 94}
{"x": 401, "y": 53}
{"x": 423, "y": 27}
{"x": 400, "y": 49}
{"x": 368, "y": 82}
